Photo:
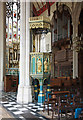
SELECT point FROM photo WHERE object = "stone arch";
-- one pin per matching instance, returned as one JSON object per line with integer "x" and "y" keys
{"x": 60, "y": 5}
{"x": 66, "y": 7}
{"x": 77, "y": 11}
{"x": 75, "y": 17}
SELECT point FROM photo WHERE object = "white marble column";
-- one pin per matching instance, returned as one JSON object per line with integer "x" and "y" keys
{"x": 2, "y": 43}
{"x": 24, "y": 89}
{"x": 27, "y": 90}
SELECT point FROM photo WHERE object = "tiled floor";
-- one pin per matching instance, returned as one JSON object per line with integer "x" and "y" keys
{"x": 25, "y": 111}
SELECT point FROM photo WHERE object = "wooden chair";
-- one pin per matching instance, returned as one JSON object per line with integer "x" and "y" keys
{"x": 55, "y": 101}
{"x": 66, "y": 106}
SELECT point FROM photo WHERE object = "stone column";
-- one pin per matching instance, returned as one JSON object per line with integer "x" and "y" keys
{"x": 2, "y": 43}
{"x": 27, "y": 90}
{"x": 75, "y": 54}
{"x": 75, "y": 64}
{"x": 24, "y": 89}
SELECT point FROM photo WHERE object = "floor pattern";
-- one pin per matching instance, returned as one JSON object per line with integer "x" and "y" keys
{"x": 23, "y": 111}
{"x": 8, "y": 101}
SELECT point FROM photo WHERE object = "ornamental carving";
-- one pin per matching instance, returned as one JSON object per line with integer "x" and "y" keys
{"x": 39, "y": 63}
{"x": 46, "y": 65}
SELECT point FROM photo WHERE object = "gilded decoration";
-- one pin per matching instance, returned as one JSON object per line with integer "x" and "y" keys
{"x": 46, "y": 65}
{"x": 39, "y": 63}
{"x": 39, "y": 22}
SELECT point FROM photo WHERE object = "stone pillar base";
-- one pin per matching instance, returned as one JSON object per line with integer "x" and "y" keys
{"x": 1, "y": 88}
{"x": 24, "y": 95}
{"x": 1, "y": 85}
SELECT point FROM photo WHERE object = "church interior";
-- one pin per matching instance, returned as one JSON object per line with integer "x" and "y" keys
{"x": 41, "y": 59}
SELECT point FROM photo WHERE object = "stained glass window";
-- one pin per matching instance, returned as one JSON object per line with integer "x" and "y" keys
{"x": 12, "y": 36}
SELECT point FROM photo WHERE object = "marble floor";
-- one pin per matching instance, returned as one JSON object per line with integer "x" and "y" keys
{"x": 9, "y": 108}
{"x": 20, "y": 111}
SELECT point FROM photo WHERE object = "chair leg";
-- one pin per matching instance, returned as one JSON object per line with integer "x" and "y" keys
{"x": 61, "y": 113}
{"x": 55, "y": 112}
{"x": 44, "y": 108}
{"x": 52, "y": 114}
{"x": 73, "y": 113}
{"x": 66, "y": 113}
{"x": 48, "y": 108}
{"x": 58, "y": 114}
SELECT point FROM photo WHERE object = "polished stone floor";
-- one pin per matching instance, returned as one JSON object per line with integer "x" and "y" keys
{"x": 9, "y": 108}
{"x": 21, "y": 111}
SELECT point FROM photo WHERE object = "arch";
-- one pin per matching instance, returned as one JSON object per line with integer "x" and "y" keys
{"x": 77, "y": 11}
{"x": 60, "y": 5}
{"x": 75, "y": 16}
{"x": 66, "y": 7}
{"x": 45, "y": 81}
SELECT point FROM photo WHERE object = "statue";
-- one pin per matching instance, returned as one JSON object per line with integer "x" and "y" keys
{"x": 45, "y": 66}
{"x": 39, "y": 63}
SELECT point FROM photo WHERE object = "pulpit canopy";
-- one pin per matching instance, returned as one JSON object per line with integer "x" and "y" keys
{"x": 39, "y": 22}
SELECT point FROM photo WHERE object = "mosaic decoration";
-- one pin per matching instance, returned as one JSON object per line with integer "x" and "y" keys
{"x": 12, "y": 41}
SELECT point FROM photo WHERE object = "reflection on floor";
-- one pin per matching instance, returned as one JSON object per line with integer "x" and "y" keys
{"x": 26, "y": 111}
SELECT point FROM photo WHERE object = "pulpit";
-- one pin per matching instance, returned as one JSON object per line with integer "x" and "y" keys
{"x": 40, "y": 69}
{"x": 39, "y": 58}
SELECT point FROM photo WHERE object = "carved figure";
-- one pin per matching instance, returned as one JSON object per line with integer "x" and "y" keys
{"x": 39, "y": 63}
{"x": 45, "y": 66}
